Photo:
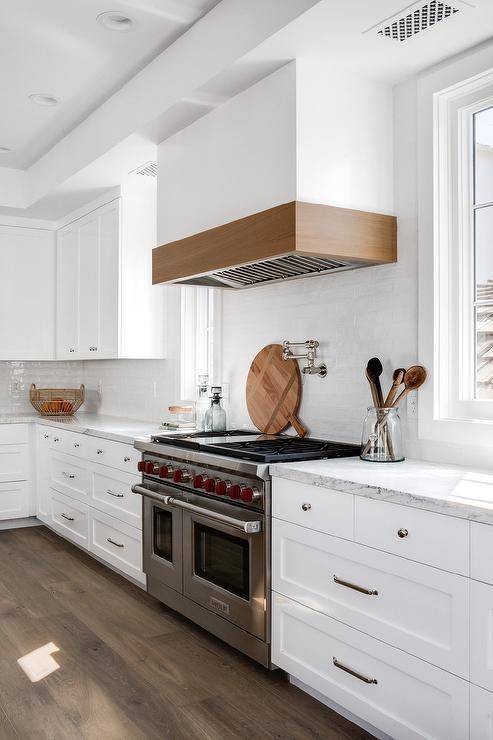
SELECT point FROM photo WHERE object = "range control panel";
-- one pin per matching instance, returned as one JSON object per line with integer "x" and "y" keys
{"x": 201, "y": 479}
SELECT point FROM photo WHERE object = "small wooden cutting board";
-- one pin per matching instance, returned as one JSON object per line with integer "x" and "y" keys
{"x": 273, "y": 392}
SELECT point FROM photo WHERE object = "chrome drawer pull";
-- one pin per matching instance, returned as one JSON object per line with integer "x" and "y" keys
{"x": 117, "y": 544}
{"x": 306, "y": 507}
{"x": 402, "y": 533}
{"x": 361, "y": 677}
{"x": 355, "y": 587}
{"x": 68, "y": 518}
{"x": 68, "y": 475}
{"x": 116, "y": 495}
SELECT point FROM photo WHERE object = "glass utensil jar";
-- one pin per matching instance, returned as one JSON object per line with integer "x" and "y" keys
{"x": 381, "y": 440}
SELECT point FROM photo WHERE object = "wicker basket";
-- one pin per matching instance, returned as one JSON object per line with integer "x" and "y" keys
{"x": 57, "y": 401}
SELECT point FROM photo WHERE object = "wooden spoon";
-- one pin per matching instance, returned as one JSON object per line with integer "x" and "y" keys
{"x": 413, "y": 379}
{"x": 397, "y": 379}
{"x": 374, "y": 369}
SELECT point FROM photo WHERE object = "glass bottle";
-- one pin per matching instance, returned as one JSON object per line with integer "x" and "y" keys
{"x": 202, "y": 403}
{"x": 215, "y": 417}
{"x": 381, "y": 440}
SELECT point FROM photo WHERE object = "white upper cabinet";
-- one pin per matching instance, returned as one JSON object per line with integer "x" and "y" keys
{"x": 27, "y": 295}
{"x": 107, "y": 307}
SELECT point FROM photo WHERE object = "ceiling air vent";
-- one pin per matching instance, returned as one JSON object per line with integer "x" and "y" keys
{"x": 416, "y": 18}
{"x": 149, "y": 169}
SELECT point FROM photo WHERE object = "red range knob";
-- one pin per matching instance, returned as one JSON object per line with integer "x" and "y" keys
{"x": 166, "y": 471}
{"x": 222, "y": 487}
{"x": 210, "y": 484}
{"x": 249, "y": 494}
{"x": 200, "y": 480}
{"x": 235, "y": 490}
{"x": 150, "y": 468}
{"x": 141, "y": 466}
{"x": 181, "y": 475}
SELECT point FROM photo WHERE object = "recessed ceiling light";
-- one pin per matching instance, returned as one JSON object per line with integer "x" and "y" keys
{"x": 43, "y": 99}
{"x": 115, "y": 21}
{"x": 4, "y": 149}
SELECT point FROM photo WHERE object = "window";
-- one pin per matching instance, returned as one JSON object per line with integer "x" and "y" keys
{"x": 200, "y": 338}
{"x": 455, "y": 224}
{"x": 482, "y": 215}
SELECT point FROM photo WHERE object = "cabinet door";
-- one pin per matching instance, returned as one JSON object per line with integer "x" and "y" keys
{"x": 98, "y": 283}
{"x": 109, "y": 243}
{"x": 482, "y": 634}
{"x": 68, "y": 293}
{"x": 27, "y": 294}
{"x": 14, "y": 500}
{"x": 89, "y": 288}
{"x": 481, "y": 714}
{"x": 43, "y": 441}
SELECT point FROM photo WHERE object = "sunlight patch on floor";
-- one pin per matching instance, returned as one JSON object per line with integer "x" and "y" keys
{"x": 38, "y": 664}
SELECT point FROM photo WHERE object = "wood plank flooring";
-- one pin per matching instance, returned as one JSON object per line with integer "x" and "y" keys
{"x": 129, "y": 668}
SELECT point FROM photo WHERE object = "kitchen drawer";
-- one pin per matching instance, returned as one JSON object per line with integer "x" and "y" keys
{"x": 414, "y": 607}
{"x": 481, "y": 714}
{"x": 401, "y": 695}
{"x": 313, "y": 507}
{"x": 482, "y": 634}
{"x": 482, "y": 552}
{"x": 442, "y": 541}
{"x": 14, "y": 500}
{"x": 114, "y": 454}
{"x": 14, "y": 462}
{"x": 72, "y": 443}
{"x": 70, "y": 476}
{"x": 14, "y": 434}
{"x": 69, "y": 518}
{"x": 117, "y": 543}
{"x": 110, "y": 492}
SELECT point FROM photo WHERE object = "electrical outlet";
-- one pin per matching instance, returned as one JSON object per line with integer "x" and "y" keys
{"x": 412, "y": 405}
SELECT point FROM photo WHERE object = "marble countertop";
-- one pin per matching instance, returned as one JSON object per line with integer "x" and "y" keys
{"x": 447, "y": 489}
{"x": 116, "y": 428}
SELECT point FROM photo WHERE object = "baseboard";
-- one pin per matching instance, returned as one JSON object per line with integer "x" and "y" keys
{"x": 340, "y": 710}
{"x": 29, "y": 521}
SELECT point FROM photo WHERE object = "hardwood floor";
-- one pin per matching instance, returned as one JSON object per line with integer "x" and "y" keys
{"x": 129, "y": 668}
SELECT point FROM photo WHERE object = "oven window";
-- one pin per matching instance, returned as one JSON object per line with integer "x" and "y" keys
{"x": 222, "y": 559}
{"x": 163, "y": 533}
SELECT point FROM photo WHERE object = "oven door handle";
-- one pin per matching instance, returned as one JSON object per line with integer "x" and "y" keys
{"x": 250, "y": 527}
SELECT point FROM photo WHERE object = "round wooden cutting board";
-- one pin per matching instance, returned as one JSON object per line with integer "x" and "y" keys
{"x": 273, "y": 392}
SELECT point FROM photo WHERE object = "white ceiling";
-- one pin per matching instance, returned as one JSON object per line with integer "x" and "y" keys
{"x": 57, "y": 47}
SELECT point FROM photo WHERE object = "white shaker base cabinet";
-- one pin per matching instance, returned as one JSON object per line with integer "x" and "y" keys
{"x": 422, "y": 610}
{"x": 397, "y": 693}
{"x": 481, "y": 714}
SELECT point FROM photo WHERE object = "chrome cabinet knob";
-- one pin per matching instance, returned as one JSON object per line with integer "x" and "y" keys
{"x": 99, "y": 452}
{"x": 45, "y": 436}
{"x": 306, "y": 507}
{"x": 402, "y": 533}
{"x": 126, "y": 459}
{"x": 76, "y": 444}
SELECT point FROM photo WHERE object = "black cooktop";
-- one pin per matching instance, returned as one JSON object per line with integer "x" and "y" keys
{"x": 262, "y": 448}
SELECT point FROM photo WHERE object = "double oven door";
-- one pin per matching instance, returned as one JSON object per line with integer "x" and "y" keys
{"x": 200, "y": 548}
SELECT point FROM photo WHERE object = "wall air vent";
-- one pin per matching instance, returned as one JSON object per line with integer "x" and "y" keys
{"x": 149, "y": 169}
{"x": 416, "y": 18}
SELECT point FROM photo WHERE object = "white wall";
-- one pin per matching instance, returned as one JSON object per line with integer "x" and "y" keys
{"x": 235, "y": 161}
{"x": 344, "y": 138}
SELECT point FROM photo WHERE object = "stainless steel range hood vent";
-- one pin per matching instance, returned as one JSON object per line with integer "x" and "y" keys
{"x": 280, "y": 268}
{"x": 289, "y": 241}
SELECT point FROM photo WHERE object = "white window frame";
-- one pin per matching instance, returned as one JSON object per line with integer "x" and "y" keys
{"x": 447, "y": 100}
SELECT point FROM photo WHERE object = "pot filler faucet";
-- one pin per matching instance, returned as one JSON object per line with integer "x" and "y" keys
{"x": 311, "y": 355}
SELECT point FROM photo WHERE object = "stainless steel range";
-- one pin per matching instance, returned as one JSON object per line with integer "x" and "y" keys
{"x": 206, "y": 514}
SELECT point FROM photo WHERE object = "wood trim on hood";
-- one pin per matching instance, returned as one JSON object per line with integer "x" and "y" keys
{"x": 310, "y": 229}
